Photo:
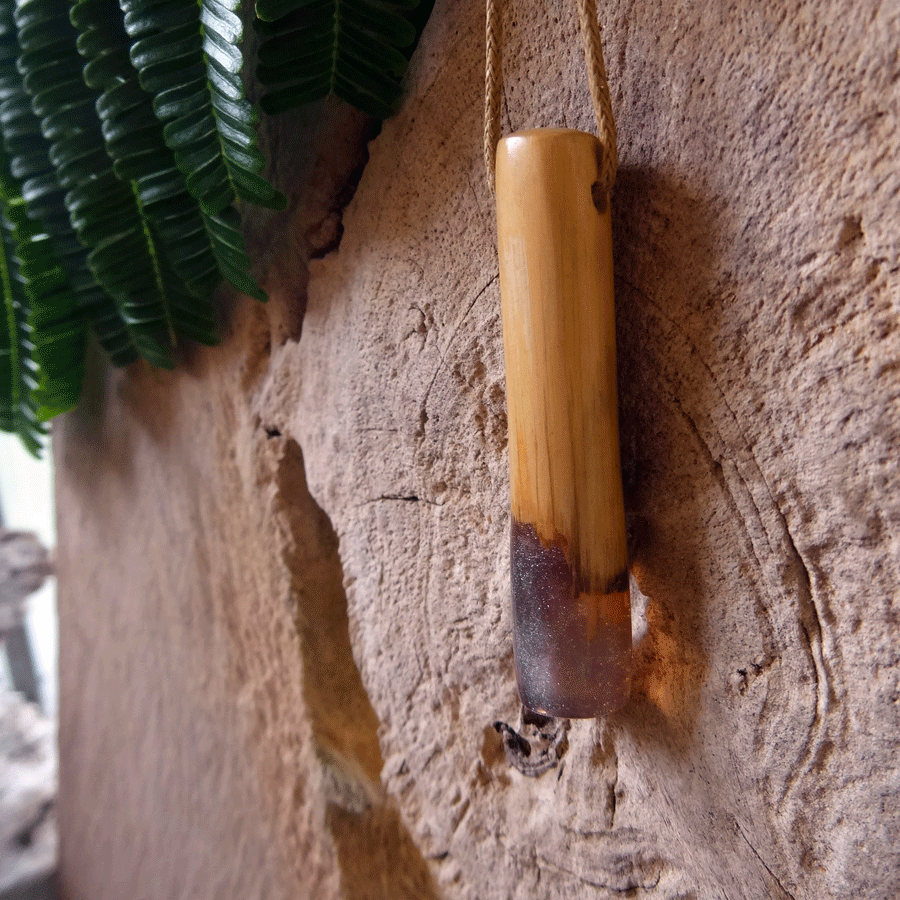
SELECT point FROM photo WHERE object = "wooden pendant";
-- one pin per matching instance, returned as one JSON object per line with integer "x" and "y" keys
{"x": 571, "y": 610}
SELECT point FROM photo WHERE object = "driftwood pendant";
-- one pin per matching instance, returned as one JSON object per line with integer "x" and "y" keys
{"x": 571, "y": 610}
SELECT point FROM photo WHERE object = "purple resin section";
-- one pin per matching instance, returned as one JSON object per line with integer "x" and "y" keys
{"x": 562, "y": 670}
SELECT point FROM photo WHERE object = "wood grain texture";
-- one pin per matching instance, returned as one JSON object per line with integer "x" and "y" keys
{"x": 559, "y": 333}
{"x": 757, "y": 274}
{"x": 572, "y": 619}
{"x": 757, "y": 271}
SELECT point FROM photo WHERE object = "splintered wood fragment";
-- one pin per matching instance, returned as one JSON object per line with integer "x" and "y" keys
{"x": 571, "y": 611}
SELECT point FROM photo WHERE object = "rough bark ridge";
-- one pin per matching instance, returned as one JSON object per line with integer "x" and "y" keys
{"x": 758, "y": 276}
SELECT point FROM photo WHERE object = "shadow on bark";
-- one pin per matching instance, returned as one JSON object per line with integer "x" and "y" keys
{"x": 376, "y": 855}
{"x": 656, "y": 427}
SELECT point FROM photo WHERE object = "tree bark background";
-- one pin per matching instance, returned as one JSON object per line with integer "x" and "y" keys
{"x": 285, "y": 632}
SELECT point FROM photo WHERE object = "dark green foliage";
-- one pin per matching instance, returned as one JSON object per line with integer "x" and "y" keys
{"x": 56, "y": 321}
{"x": 42, "y": 343}
{"x": 126, "y": 141}
{"x": 170, "y": 264}
{"x": 30, "y": 156}
{"x": 42, "y": 340}
{"x": 356, "y": 49}
{"x": 96, "y": 203}
{"x": 18, "y": 372}
{"x": 188, "y": 58}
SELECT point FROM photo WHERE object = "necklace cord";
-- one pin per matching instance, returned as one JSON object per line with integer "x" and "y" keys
{"x": 597, "y": 82}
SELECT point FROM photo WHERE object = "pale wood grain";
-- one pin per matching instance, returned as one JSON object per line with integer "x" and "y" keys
{"x": 556, "y": 280}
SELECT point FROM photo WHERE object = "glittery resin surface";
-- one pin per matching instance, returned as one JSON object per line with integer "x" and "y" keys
{"x": 572, "y": 648}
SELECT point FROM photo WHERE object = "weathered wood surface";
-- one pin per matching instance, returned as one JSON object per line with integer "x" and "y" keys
{"x": 218, "y": 738}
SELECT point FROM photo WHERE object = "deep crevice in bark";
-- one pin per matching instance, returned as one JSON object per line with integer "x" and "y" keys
{"x": 375, "y": 851}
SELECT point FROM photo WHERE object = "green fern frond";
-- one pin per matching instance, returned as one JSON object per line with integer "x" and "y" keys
{"x": 182, "y": 262}
{"x": 42, "y": 343}
{"x": 29, "y": 159}
{"x": 189, "y": 57}
{"x": 58, "y": 329}
{"x": 95, "y": 201}
{"x": 18, "y": 371}
{"x": 351, "y": 48}
{"x": 127, "y": 138}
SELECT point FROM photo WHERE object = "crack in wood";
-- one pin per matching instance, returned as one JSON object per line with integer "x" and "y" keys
{"x": 777, "y": 880}
{"x": 443, "y": 355}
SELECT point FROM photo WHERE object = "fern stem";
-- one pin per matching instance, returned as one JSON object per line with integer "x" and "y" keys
{"x": 337, "y": 36}
{"x": 155, "y": 262}
{"x": 13, "y": 328}
{"x": 22, "y": 419}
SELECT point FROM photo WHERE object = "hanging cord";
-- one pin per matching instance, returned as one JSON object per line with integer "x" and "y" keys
{"x": 493, "y": 86}
{"x": 593, "y": 57}
{"x": 597, "y": 81}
